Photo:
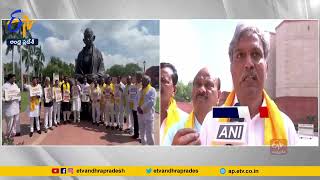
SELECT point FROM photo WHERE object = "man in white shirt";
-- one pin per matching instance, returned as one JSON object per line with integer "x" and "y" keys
{"x": 85, "y": 100}
{"x": 146, "y": 110}
{"x": 128, "y": 109}
{"x": 170, "y": 112}
{"x": 35, "y": 94}
{"x": 248, "y": 52}
{"x": 119, "y": 108}
{"x": 11, "y": 106}
{"x": 205, "y": 95}
{"x": 95, "y": 95}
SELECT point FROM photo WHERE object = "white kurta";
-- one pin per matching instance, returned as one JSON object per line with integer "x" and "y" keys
{"x": 133, "y": 95}
{"x": 85, "y": 96}
{"x": 10, "y": 108}
{"x": 76, "y": 101}
{"x": 168, "y": 138}
{"x": 36, "y": 111}
{"x": 147, "y": 118}
{"x": 255, "y": 129}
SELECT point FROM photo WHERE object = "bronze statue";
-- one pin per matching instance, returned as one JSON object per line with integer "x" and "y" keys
{"x": 90, "y": 61}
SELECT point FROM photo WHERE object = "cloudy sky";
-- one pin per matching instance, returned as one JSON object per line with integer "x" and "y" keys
{"x": 120, "y": 41}
{"x": 193, "y": 44}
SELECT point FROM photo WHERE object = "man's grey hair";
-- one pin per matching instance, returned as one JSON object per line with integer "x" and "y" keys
{"x": 242, "y": 29}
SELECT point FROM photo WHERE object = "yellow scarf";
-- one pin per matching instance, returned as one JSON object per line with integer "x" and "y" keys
{"x": 143, "y": 94}
{"x": 111, "y": 86}
{"x": 273, "y": 126}
{"x": 66, "y": 86}
{"x": 190, "y": 121}
{"x": 34, "y": 101}
{"x": 125, "y": 96}
{"x": 117, "y": 101}
{"x": 173, "y": 117}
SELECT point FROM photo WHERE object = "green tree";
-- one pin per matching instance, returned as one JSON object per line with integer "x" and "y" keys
{"x": 116, "y": 70}
{"x": 183, "y": 92}
{"x": 6, "y": 34}
{"x": 120, "y": 70}
{"x": 132, "y": 68}
{"x": 7, "y": 68}
{"x": 57, "y": 66}
{"x": 38, "y": 61}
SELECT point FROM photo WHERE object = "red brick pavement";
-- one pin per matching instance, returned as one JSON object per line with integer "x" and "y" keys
{"x": 83, "y": 133}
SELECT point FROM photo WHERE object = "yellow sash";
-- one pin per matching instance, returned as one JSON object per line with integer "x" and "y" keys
{"x": 34, "y": 101}
{"x": 111, "y": 86}
{"x": 117, "y": 101}
{"x": 273, "y": 126}
{"x": 66, "y": 86}
{"x": 143, "y": 94}
{"x": 173, "y": 117}
{"x": 190, "y": 121}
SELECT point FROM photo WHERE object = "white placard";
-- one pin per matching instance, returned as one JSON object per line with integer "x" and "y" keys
{"x": 12, "y": 94}
{"x": 35, "y": 91}
{"x": 48, "y": 94}
{"x": 58, "y": 94}
{"x": 66, "y": 96}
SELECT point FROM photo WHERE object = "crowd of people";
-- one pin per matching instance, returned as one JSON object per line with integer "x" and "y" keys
{"x": 107, "y": 101}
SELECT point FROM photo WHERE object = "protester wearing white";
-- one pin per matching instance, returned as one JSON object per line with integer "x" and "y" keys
{"x": 48, "y": 105}
{"x": 119, "y": 88}
{"x": 146, "y": 110}
{"x": 35, "y": 94}
{"x": 57, "y": 96}
{"x": 76, "y": 101}
{"x": 11, "y": 107}
{"x": 108, "y": 95}
{"x": 95, "y": 95}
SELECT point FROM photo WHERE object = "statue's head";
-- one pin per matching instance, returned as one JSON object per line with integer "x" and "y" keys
{"x": 88, "y": 37}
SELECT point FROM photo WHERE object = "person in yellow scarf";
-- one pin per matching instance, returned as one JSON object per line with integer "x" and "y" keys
{"x": 248, "y": 52}
{"x": 66, "y": 97}
{"x": 146, "y": 110}
{"x": 108, "y": 111}
{"x": 170, "y": 113}
{"x": 95, "y": 96}
{"x": 102, "y": 85}
{"x": 35, "y": 94}
{"x": 205, "y": 95}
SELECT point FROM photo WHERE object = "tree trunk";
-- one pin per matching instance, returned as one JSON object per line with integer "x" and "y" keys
{"x": 21, "y": 72}
{"x": 13, "y": 70}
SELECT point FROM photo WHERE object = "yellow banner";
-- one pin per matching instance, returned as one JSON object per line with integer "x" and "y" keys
{"x": 159, "y": 170}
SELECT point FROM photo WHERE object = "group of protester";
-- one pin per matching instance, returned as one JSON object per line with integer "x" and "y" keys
{"x": 248, "y": 52}
{"x": 108, "y": 99}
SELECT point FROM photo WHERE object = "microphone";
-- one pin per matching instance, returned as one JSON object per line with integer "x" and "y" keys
{"x": 235, "y": 131}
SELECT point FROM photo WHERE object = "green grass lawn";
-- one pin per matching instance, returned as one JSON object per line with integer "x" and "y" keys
{"x": 24, "y": 101}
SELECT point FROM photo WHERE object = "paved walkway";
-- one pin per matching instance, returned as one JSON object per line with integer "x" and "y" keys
{"x": 83, "y": 133}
